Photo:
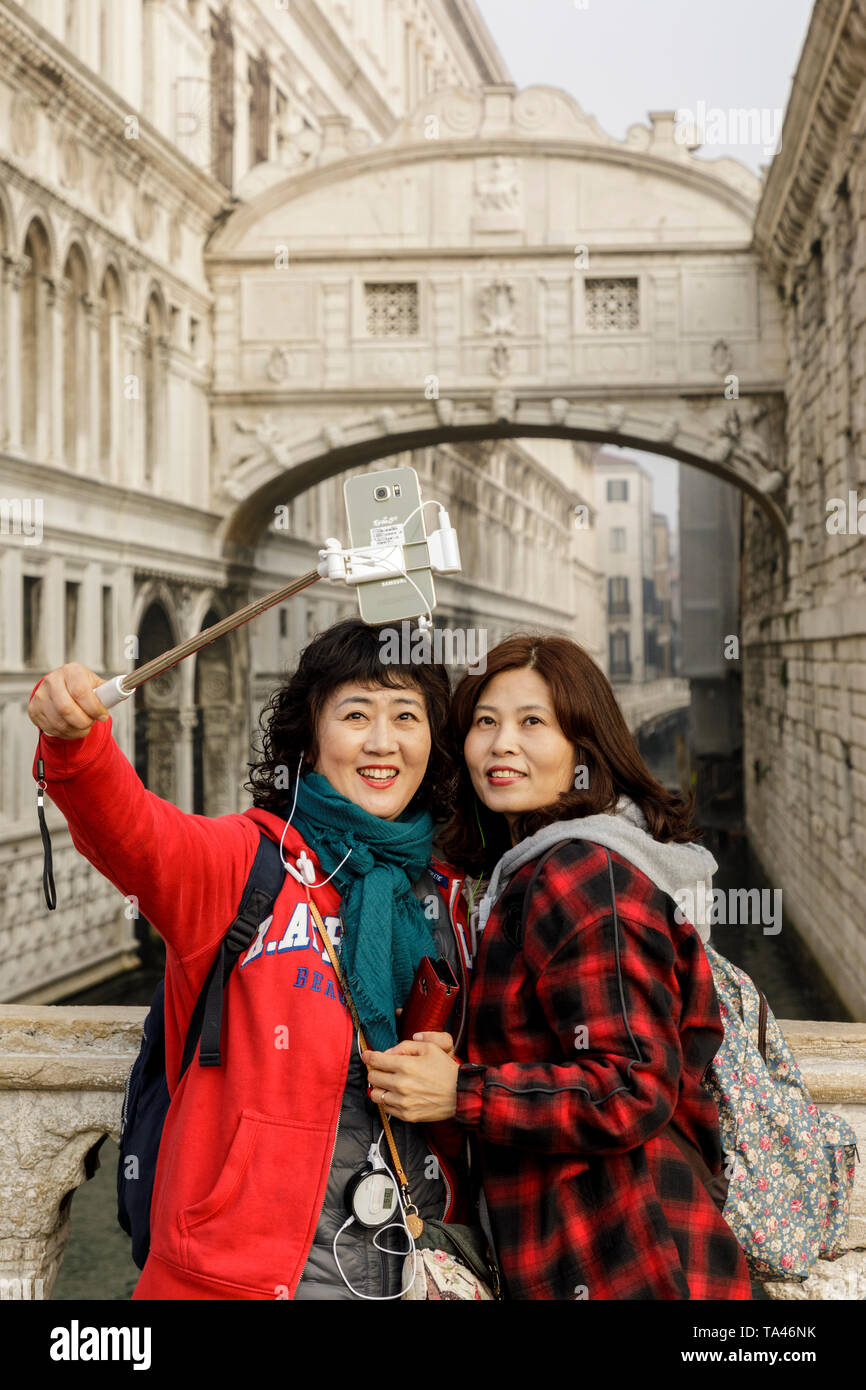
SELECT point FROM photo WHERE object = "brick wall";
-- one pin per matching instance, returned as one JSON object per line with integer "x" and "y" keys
{"x": 804, "y": 631}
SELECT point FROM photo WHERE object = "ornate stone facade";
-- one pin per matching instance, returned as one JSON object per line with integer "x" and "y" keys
{"x": 126, "y": 131}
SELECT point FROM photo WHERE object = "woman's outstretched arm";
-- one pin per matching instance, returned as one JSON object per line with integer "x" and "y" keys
{"x": 186, "y": 872}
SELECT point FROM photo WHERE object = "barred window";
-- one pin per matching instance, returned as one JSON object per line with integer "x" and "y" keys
{"x": 617, "y": 594}
{"x": 392, "y": 308}
{"x": 70, "y": 618}
{"x": 612, "y": 305}
{"x": 31, "y": 620}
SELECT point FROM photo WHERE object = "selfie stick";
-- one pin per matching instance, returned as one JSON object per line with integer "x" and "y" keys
{"x": 353, "y": 566}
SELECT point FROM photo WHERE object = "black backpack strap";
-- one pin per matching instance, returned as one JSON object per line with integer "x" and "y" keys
{"x": 527, "y": 896}
{"x": 260, "y": 893}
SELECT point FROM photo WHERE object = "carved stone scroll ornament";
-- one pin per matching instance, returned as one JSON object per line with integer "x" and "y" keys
{"x": 144, "y": 214}
{"x": 22, "y": 121}
{"x": 721, "y": 357}
{"x": 738, "y": 435}
{"x": 269, "y": 439}
{"x": 16, "y": 268}
{"x": 277, "y": 368}
{"x": 498, "y": 303}
{"x": 70, "y": 161}
{"x": 497, "y": 187}
{"x": 497, "y": 195}
{"x": 106, "y": 186}
{"x": 388, "y": 419}
{"x": 500, "y": 360}
{"x": 503, "y": 405}
{"x": 175, "y": 238}
{"x": 533, "y": 109}
{"x": 460, "y": 111}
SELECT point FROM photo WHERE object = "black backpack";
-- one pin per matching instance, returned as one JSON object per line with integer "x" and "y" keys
{"x": 145, "y": 1103}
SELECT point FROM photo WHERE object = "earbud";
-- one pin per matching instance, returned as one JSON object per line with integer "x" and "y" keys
{"x": 306, "y": 868}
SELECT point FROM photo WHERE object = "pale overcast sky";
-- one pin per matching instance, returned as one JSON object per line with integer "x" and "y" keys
{"x": 621, "y": 59}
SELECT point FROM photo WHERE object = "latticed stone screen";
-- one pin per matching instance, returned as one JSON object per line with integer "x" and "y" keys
{"x": 611, "y": 305}
{"x": 392, "y": 308}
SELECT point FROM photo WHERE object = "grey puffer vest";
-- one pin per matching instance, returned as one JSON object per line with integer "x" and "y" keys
{"x": 368, "y": 1270}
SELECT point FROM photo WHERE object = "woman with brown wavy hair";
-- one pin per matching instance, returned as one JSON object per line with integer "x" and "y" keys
{"x": 593, "y": 1014}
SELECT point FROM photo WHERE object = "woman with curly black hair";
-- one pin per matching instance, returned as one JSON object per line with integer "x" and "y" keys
{"x": 250, "y": 1197}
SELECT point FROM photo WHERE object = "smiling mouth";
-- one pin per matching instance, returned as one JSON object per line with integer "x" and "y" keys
{"x": 378, "y": 776}
{"x": 501, "y": 777}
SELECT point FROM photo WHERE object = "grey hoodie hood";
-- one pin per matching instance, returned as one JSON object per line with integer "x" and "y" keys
{"x": 674, "y": 868}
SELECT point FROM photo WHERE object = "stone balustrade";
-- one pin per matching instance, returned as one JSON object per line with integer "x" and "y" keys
{"x": 62, "y": 1076}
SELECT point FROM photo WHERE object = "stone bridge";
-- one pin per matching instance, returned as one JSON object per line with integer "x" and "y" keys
{"x": 483, "y": 273}
{"x": 649, "y": 703}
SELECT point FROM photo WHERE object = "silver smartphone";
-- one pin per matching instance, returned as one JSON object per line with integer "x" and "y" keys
{"x": 383, "y": 508}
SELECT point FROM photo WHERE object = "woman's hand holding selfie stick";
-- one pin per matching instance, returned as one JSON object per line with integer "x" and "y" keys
{"x": 71, "y": 699}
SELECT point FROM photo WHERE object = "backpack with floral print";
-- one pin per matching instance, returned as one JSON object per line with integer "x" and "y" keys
{"x": 790, "y": 1165}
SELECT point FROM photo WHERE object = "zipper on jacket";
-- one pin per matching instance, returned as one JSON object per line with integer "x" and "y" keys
{"x": 124, "y": 1114}
{"x": 464, "y": 978}
{"x": 330, "y": 1161}
{"x": 448, "y": 1189}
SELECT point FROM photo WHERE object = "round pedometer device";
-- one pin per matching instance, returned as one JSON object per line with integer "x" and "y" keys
{"x": 371, "y": 1196}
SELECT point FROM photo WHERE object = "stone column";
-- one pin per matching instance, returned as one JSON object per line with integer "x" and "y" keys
{"x": 161, "y": 758}
{"x": 130, "y": 438}
{"x": 217, "y": 748}
{"x": 162, "y": 415}
{"x": 49, "y": 424}
{"x": 91, "y": 463}
{"x": 88, "y": 646}
{"x": 53, "y": 637}
{"x": 10, "y": 608}
{"x": 15, "y": 268}
{"x": 114, "y": 386}
{"x": 187, "y": 721}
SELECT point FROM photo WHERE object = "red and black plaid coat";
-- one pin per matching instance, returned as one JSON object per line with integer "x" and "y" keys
{"x": 583, "y": 1043}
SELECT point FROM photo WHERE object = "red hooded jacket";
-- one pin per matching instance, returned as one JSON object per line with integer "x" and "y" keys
{"x": 246, "y": 1147}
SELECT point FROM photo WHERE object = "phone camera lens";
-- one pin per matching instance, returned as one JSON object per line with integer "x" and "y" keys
{"x": 381, "y": 492}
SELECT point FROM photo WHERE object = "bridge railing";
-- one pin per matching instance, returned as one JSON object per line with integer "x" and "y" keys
{"x": 62, "y": 1076}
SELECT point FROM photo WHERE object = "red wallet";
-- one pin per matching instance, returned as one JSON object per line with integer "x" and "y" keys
{"x": 435, "y": 990}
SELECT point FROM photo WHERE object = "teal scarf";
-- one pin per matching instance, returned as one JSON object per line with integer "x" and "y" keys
{"x": 386, "y": 932}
